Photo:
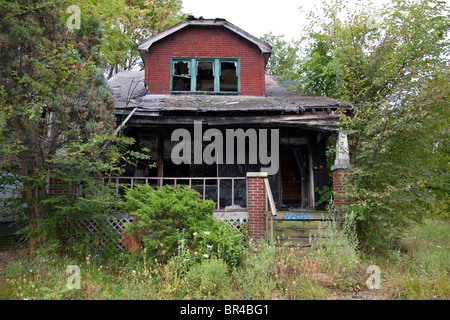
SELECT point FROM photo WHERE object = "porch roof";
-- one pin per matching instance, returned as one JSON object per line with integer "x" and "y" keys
{"x": 280, "y": 106}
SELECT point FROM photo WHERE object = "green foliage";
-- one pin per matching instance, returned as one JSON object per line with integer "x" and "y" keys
{"x": 209, "y": 279}
{"x": 401, "y": 170}
{"x": 88, "y": 197}
{"x": 427, "y": 243}
{"x": 336, "y": 247}
{"x": 325, "y": 194}
{"x": 223, "y": 242}
{"x": 181, "y": 225}
{"x": 320, "y": 78}
{"x": 365, "y": 51}
{"x": 390, "y": 64}
{"x": 165, "y": 213}
{"x": 55, "y": 122}
{"x": 126, "y": 24}
{"x": 267, "y": 273}
{"x": 255, "y": 278}
{"x": 284, "y": 57}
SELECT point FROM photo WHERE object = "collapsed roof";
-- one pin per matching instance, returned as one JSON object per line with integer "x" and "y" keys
{"x": 280, "y": 106}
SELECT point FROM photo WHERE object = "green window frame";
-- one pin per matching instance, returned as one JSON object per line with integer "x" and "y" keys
{"x": 205, "y": 75}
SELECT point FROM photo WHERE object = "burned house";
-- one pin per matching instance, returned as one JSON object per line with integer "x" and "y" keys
{"x": 202, "y": 93}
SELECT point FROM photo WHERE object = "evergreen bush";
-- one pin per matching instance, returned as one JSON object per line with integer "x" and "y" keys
{"x": 165, "y": 214}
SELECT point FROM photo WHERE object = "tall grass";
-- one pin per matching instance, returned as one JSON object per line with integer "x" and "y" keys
{"x": 419, "y": 270}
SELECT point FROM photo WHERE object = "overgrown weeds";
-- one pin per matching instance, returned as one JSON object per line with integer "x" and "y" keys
{"x": 265, "y": 272}
{"x": 336, "y": 249}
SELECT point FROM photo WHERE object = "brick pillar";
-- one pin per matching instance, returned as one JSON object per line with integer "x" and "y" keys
{"x": 341, "y": 164}
{"x": 256, "y": 204}
{"x": 56, "y": 186}
{"x": 339, "y": 197}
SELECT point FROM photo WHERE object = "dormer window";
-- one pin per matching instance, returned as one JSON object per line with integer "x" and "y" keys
{"x": 205, "y": 75}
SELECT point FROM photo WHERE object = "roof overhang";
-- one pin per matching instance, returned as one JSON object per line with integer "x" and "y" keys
{"x": 144, "y": 47}
{"x": 280, "y": 107}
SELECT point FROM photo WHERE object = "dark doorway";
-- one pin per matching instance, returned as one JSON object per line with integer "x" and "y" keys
{"x": 291, "y": 180}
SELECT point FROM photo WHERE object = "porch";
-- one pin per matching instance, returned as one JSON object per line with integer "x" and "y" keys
{"x": 246, "y": 203}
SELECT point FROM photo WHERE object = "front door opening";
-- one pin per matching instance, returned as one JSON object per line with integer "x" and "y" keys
{"x": 291, "y": 180}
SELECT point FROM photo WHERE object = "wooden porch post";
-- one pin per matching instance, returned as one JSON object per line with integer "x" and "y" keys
{"x": 311, "y": 196}
{"x": 160, "y": 158}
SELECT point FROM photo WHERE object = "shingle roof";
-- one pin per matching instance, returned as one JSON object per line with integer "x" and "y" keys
{"x": 128, "y": 87}
{"x": 280, "y": 105}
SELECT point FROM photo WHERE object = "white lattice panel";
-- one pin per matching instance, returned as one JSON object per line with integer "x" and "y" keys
{"x": 117, "y": 225}
{"x": 237, "y": 219}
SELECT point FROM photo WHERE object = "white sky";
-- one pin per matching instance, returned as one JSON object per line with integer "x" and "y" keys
{"x": 258, "y": 17}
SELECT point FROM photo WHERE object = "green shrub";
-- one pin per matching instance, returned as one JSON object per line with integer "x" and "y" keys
{"x": 222, "y": 241}
{"x": 208, "y": 280}
{"x": 164, "y": 213}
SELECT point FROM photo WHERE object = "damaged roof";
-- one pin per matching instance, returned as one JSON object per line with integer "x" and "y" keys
{"x": 279, "y": 106}
{"x": 144, "y": 47}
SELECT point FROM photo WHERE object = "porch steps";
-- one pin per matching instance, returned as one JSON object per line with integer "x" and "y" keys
{"x": 294, "y": 228}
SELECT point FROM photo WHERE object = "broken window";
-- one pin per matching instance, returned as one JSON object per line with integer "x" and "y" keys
{"x": 228, "y": 76}
{"x": 205, "y": 75}
{"x": 181, "y": 77}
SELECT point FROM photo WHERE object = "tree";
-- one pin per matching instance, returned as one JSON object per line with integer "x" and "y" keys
{"x": 284, "y": 57}
{"x": 126, "y": 24}
{"x": 54, "y": 102}
{"x": 391, "y": 64}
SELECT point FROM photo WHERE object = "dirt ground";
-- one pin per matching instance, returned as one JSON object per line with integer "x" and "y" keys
{"x": 11, "y": 251}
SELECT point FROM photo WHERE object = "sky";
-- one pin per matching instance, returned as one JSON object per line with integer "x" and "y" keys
{"x": 258, "y": 17}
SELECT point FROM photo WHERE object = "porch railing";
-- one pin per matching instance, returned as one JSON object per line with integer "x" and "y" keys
{"x": 225, "y": 191}
{"x": 271, "y": 210}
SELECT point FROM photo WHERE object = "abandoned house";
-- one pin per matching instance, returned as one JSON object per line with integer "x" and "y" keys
{"x": 213, "y": 120}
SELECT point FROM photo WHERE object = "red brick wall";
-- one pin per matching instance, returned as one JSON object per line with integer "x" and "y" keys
{"x": 339, "y": 197}
{"x": 256, "y": 207}
{"x": 205, "y": 42}
{"x": 56, "y": 186}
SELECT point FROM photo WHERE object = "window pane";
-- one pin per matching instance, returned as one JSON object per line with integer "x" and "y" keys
{"x": 205, "y": 76}
{"x": 228, "y": 77}
{"x": 181, "y": 68}
{"x": 181, "y": 80}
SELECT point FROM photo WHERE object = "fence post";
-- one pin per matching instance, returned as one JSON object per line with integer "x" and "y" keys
{"x": 256, "y": 197}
